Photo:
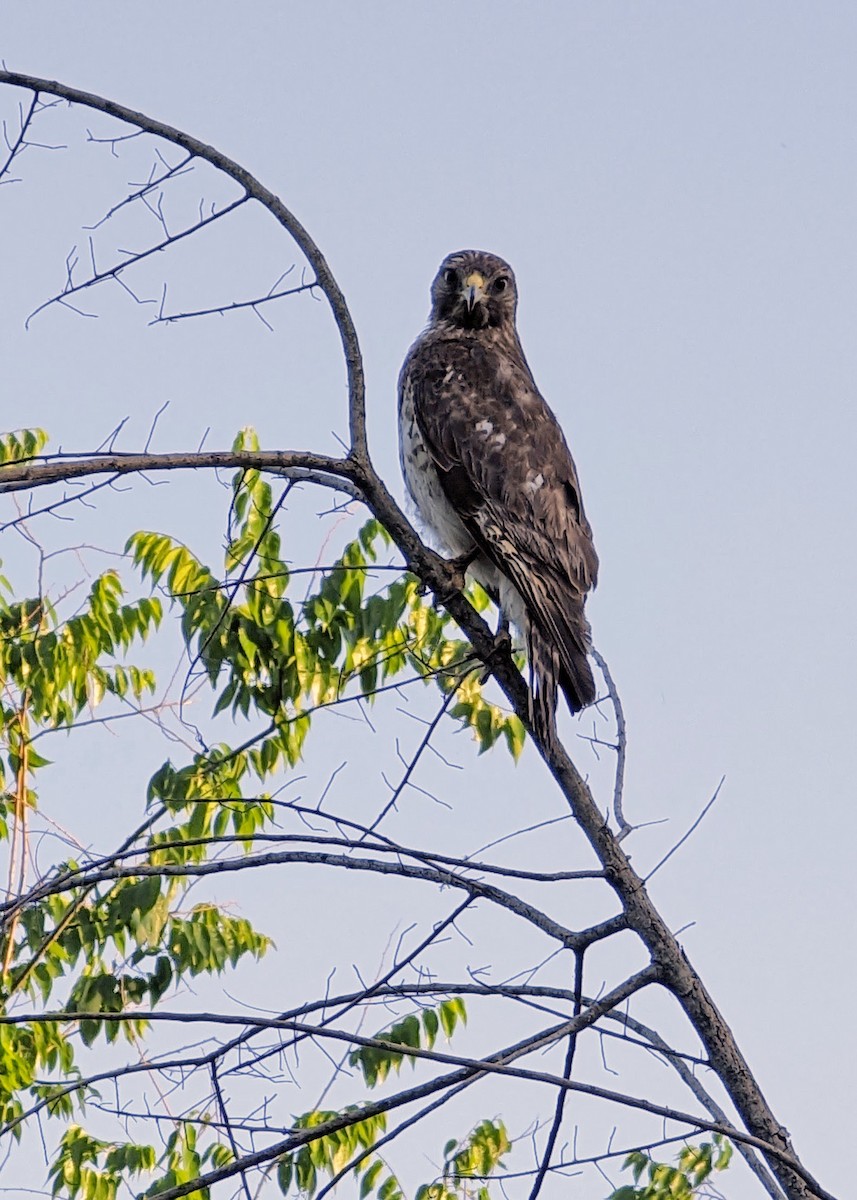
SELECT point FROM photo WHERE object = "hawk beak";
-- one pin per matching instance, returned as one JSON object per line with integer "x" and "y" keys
{"x": 474, "y": 290}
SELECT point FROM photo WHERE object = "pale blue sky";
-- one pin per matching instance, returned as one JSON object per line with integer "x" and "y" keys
{"x": 675, "y": 185}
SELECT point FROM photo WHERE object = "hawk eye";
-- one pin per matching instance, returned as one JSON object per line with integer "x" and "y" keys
{"x": 450, "y": 276}
{"x": 500, "y": 284}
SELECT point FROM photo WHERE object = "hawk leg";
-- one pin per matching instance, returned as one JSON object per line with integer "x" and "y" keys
{"x": 502, "y": 647}
{"x": 503, "y": 634}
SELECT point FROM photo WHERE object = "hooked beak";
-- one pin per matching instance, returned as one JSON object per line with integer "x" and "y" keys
{"x": 474, "y": 290}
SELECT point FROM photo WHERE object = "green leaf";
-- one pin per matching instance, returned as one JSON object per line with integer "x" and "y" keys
{"x": 285, "y": 1170}
{"x": 367, "y": 1183}
{"x": 21, "y": 445}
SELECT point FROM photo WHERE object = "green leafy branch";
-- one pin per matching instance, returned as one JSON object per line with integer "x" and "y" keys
{"x": 660, "y": 1181}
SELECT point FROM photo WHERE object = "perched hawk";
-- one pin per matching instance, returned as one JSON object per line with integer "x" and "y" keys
{"x": 490, "y": 473}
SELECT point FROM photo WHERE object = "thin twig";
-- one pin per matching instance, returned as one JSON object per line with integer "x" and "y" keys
{"x": 686, "y": 835}
{"x": 620, "y": 747}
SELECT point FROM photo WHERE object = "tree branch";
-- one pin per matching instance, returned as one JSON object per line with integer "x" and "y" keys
{"x": 48, "y": 469}
{"x": 496, "y": 1064}
{"x": 571, "y": 939}
{"x": 326, "y": 282}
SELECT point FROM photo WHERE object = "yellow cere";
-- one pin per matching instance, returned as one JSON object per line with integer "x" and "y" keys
{"x": 474, "y": 280}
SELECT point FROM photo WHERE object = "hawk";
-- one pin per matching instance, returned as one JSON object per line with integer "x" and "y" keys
{"x": 490, "y": 473}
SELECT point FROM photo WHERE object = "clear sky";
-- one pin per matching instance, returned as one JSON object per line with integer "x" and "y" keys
{"x": 675, "y": 185}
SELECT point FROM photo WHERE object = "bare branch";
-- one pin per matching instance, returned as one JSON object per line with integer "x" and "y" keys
{"x": 556, "y": 1124}
{"x": 568, "y": 938}
{"x": 221, "y": 309}
{"x": 20, "y": 141}
{"x": 499, "y": 1063}
{"x": 706, "y": 1100}
{"x": 72, "y": 289}
{"x": 686, "y": 835}
{"x": 34, "y": 473}
{"x": 180, "y": 168}
{"x": 326, "y": 282}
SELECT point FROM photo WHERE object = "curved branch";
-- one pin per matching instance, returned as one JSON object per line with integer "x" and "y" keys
{"x": 74, "y": 877}
{"x": 569, "y": 938}
{"x": 621, "y": 748}
{"x": 326, "y": 281}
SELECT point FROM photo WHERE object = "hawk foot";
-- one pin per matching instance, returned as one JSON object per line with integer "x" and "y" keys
{"x": 503, "y": 636}
{"x": 502, "y": 648}
{"x": 458, "y": 568}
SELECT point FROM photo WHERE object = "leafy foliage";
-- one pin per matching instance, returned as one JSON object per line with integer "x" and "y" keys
{"x": 696, "y": 1165}
{"x": 92, "y": 1169}
{"x": 272, "y": 656}
{"x": 353, "y": 1147}
{"x": 51, "y": 670}
{"x": 106, "y": 952}
{"x": 479, "y": 1156}
{"x": 413, "y": 1032}
{"x": 332, "y": 1152}
{"x": 21, "y": 445}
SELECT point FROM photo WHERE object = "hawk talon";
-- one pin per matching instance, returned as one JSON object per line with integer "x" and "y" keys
{"x": 458, "y": 568}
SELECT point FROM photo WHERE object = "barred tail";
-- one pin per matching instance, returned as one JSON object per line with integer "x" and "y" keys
{"x": 544, "y": 674}
{"x": 550, "y": 670}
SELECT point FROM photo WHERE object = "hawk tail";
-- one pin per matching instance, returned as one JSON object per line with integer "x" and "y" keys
{"x": 551, "y": 669}
{"x": 544, "y": 672}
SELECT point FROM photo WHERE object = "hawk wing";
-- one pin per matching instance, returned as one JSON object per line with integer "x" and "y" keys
{"x": 506, "y": 469}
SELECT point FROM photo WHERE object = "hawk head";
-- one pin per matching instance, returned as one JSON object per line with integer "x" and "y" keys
{"x": 474, "y": 290}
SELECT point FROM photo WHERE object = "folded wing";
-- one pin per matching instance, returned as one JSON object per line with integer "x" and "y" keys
{"x": 505, "y": 467}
